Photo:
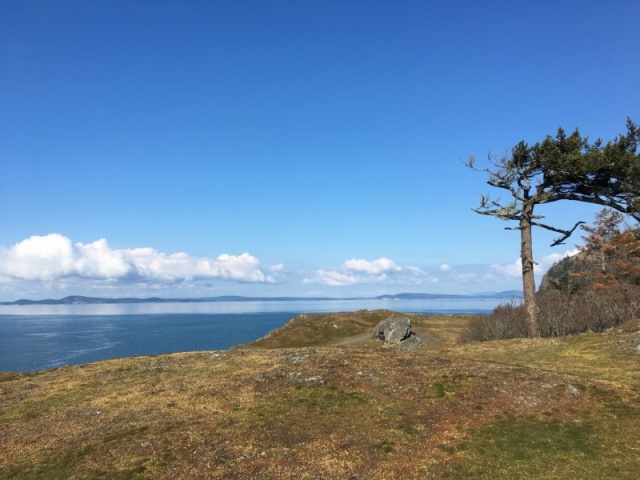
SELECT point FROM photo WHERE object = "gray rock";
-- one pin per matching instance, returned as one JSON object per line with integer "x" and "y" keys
{"x": 410, "y": 343}
{"x": 572, "y": 391}
{"x": 313, "y": 380}
{"x": 298, "y": 357}
{"x": 368, "y": 376}
{"x": 393, "y": 329}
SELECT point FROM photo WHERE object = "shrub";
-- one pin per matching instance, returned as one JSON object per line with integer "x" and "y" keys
{"x": 506, "y": 321}
{"x": 561, "y": 313}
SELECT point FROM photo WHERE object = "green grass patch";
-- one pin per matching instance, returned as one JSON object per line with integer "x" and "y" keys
{"x": 528, "y": 448}
{"x": 10, "y": 377}
{"x": 439, "y": 390}
{"x": 305, "y": 402}
{"x": 448, "y": 386}
{"x": 326, "y": 398}
{"x": 31, "y": 409}
{"x": 56, "y": 467}
{"x": 615, "y": 405}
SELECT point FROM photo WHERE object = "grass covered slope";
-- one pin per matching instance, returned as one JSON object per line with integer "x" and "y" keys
{"x": 561, "y": 408}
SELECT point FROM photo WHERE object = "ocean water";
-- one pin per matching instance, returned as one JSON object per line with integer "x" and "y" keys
{"x": 40, "y": 337}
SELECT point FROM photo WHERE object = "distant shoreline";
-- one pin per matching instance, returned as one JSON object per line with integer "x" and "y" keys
{"x": 82, "y": 300}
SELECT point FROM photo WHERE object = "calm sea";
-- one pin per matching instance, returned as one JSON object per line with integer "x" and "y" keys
{"x": 40, "y": 337}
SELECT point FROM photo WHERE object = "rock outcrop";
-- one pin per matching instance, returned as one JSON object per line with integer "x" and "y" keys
{"x": 397, "y": 331}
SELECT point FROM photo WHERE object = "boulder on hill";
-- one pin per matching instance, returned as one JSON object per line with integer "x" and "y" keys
{"x": 397, "y": 330}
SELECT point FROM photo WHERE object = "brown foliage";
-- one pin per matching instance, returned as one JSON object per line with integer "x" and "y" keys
{"x": 595, "y": 310}
{"x": 612, "y": 253}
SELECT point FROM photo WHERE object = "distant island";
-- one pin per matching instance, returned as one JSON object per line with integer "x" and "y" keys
{"x": 81, "y": 300}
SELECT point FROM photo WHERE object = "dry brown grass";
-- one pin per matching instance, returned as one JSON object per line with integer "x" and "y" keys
{"x": 561, "y": 408}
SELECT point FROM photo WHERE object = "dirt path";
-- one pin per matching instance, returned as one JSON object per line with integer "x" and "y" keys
{"x": 353, "y": 340}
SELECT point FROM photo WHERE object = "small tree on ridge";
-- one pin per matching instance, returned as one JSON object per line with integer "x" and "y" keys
{"x": 614, "y": 251}
{"x": 564, "y": 167}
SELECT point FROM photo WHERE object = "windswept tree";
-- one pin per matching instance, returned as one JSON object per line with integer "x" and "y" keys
{"x": 564, "y": 167}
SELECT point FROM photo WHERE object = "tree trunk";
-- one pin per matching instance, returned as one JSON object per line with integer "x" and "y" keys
{"x": 528, "y": 278}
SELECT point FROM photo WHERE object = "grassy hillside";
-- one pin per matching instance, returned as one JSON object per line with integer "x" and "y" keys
{"x": 320, "y": 399}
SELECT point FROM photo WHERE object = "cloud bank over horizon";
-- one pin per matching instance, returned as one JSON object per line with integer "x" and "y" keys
{"x": 54, "y": 265}
{"x": 54, "y": 257}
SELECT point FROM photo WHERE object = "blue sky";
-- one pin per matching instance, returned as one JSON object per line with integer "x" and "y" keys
{"x": 202, "y": 148}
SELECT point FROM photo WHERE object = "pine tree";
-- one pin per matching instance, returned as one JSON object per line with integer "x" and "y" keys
{"x": 564, "y": 167}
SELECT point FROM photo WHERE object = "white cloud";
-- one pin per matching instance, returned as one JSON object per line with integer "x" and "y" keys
{"x": 376, "y": 267}
{"x": 514, "y": 269}
{"x": 511, "y": 270}
{"x": 97, "y": 260}
{"x": 54, "y": 257}
{"x": 360, "y": 271}
{"x": 547, "y": 262}
{"x": 492, "y": 277}
{"x": 333, "y": 278}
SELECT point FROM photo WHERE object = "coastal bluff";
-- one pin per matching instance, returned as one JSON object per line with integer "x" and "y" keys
{"x": 322, "y": 397}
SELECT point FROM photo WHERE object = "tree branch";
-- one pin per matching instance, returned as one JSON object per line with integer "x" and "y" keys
{"x": 565, "y": 233}
{"x": 620, "y": 207}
